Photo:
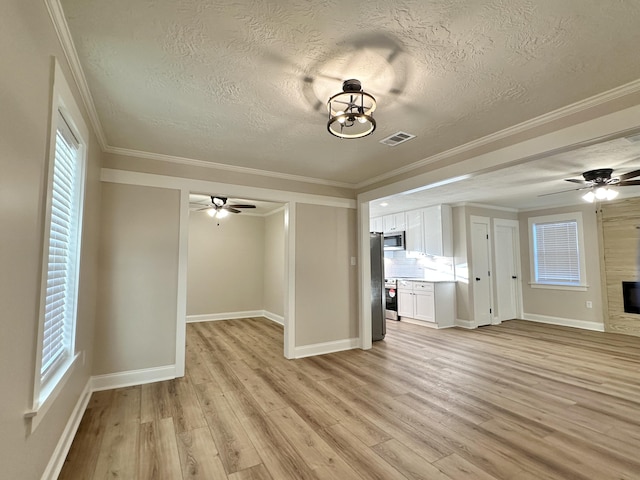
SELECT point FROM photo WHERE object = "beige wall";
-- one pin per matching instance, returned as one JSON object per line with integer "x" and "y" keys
{"x": 137, "y": 296}
{"x": 226, "y": 264}
{"x": 27, "y": 44}
{"x": 461, "y": 259}
{"x": 274, "y": 263}
{"x": 564, "y": 304}
{"x": 325, "y": 282}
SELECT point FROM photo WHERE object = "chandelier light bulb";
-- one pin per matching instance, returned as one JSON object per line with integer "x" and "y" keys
{"x": 211, "y": 212}
{"x": 222, "y": 213}
{"x": 611, "y": 194}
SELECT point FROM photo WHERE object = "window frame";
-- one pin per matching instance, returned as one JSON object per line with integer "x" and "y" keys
{"x": 559, "y": 218}
{"x": 63, "y": 109}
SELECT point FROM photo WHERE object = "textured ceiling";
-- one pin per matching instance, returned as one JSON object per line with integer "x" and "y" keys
{"x": 245, "y": 83}
{"x": 528, "y": 185}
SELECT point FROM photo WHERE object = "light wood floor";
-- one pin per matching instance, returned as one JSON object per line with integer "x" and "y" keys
{"x": 517, "y": 401}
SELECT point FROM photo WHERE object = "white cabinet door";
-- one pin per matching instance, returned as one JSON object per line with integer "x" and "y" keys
{"x": 414, "y": 237}
{"x": 376, "y": 225}
{"x": 425, "y": 306}
{"x": 405, "y": 303}
{"x": 399, "y": 221}
{"x": 438, "y": 236}
{"x": 394, "y": 222}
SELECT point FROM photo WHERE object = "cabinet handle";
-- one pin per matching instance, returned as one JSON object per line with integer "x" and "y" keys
{"x": 514, "y": 277}
{"x": 477, "y": 279}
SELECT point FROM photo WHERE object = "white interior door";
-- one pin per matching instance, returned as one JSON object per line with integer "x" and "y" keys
{"x": 507, "y": 275}
{"x": 481, "y": 271}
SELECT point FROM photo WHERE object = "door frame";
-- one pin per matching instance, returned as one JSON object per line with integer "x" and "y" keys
{"x": 515, "y": 226}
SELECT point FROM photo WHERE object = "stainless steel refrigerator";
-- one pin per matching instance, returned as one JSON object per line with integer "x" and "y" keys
{"x": 378, "y": 323}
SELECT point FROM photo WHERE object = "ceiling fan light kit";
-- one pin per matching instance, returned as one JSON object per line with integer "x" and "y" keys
{"x": 220, "y": 209}
{"x": 599, "y": 183}
{"x": 600, "y": 193}
{"x": 351, "y": 111}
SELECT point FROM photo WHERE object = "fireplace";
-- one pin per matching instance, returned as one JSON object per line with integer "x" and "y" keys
{"x": 631, "y": 297}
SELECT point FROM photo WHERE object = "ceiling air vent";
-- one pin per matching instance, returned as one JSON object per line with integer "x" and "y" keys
{"x": 397, "y": 138}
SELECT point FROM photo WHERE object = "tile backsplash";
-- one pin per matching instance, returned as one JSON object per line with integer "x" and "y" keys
{"x": 403, "y": 264}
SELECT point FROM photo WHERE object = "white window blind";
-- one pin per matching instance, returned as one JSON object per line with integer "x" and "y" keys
{"x": 556, "y": 253}
{"x": 61, "y": 298}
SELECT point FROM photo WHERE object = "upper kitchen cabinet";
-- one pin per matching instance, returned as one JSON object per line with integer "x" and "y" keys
{"x": 438, "y": 230}
{"x": 376, "y": 224}
{"x": 414, "y": 236}
{"x": 394, "y": 222}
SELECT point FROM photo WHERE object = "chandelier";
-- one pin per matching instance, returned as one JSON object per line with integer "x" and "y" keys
{"x": 351, "y": 111}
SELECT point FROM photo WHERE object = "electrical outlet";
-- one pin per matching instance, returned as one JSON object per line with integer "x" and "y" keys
{"x": 589, "y": 304}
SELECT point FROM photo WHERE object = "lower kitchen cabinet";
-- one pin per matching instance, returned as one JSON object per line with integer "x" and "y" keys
{"x": 427, "y": 302}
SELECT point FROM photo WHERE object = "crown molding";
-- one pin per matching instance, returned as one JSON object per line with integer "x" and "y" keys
{"x": 594, "y": 101}
{"x": 222, "y": 166}
{"x": 66, "y": 41}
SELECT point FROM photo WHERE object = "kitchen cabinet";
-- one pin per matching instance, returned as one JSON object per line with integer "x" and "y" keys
{"x": 406, "y": 307}
{"x": 438, "y": 230}
{"x": 430, "y": 303}
{"x": 423, "y": 301}
{"x": 414, "y": 233}
{"x": 376, "y": 224}
{"x": 394, "y": 222}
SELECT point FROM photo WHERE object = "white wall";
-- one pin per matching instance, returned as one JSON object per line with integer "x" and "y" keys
{"x": 27, "y": 45}
{"x": 137, "y": 299}
{"x": 226, "y": 264}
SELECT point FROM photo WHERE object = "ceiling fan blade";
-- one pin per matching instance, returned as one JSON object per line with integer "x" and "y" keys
{"x": 575, "y": 180}
{"x": 626, "y": 183}
{"x": 208, "y": 207}
{"x": 242, "y": 206}
{"x": 632, "y": 174}
{"x": 563, "y": 191}
{"x": 230, "y": 209}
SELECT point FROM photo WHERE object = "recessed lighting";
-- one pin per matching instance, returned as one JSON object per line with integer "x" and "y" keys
{"x": 384, "y": 204}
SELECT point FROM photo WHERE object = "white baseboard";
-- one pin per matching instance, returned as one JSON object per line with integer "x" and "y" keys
{"x": 327, "y": 347}
{"x": 465, "y": 324}
{"x": 66, "y": 439}
{"x": 212, "y": 317}
{"x": 565, "y": 322}
{"x": 132, "y": 377}
{"x": 273, "y": 317}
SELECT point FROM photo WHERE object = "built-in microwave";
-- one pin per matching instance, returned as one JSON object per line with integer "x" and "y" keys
{"x": 394, "y": 241}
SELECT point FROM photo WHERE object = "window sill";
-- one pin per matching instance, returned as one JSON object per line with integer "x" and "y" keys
{"x": 554, "y": 286}
{"x": 50, "y": 392}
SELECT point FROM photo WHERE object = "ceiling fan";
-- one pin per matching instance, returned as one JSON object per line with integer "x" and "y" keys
{"x": 598, "y": 180}
{"x": 219, "y": 208}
